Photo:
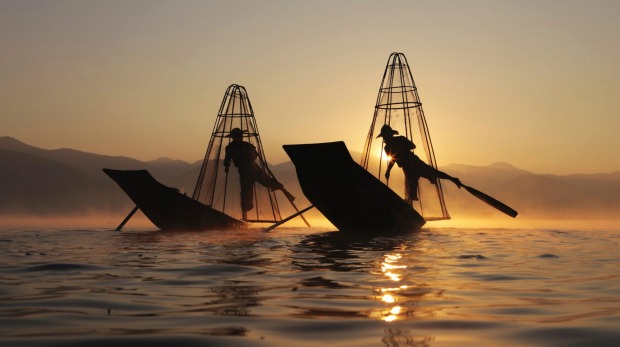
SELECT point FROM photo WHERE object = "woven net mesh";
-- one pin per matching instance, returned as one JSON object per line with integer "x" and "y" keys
{"x": 222, "y": 190}
{"x": 398, "y": 105}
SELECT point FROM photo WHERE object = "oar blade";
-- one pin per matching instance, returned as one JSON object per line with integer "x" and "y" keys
{"x": 492, "y": 201}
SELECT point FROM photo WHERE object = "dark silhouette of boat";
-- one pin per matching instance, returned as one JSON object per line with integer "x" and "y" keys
{"x": 346, "y": 194}
{"x": 220, "y": 200}
{"x": 166, "y": 207}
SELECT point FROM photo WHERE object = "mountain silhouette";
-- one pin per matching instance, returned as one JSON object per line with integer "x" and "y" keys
{"x": 31, "y": 184}
{"x": 67, "y": 181}
{"x": 536, "y": 195}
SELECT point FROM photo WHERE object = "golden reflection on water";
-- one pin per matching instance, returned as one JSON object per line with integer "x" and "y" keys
{"x": 390, "y": 269}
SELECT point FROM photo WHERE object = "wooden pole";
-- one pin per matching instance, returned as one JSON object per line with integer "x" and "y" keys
{"x": 491, "y": 201}
{"x": 120, "y": 226}
{"x": 288, "y": 218}
{"x": 288, "y": 195}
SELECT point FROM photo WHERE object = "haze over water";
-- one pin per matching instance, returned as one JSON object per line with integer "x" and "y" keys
{"x": 529, "y": 83}
{"x": 309, "y": 287}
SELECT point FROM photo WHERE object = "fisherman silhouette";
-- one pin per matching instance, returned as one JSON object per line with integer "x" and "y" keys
{"x": 400, "y": 150}
{"x": 243, "y": 154}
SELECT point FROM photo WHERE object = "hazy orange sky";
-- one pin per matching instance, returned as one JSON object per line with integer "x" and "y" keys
{"x": 531, "y": 83}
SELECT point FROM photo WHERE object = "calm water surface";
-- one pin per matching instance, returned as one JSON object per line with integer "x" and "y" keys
{"x": 308, "y": 287}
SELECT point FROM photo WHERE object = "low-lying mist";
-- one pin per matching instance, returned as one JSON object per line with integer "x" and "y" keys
{"x": 494, "y": 220}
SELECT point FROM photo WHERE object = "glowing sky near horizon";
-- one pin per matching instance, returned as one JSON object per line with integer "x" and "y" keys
{"x": 531, "y": 83}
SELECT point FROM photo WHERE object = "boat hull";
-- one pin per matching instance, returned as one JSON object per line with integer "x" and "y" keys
{"x": 346, "y": 194}
{"x": 166, "y": 207}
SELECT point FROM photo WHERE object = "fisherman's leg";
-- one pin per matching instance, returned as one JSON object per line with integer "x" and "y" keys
{"x": 411, "y": 188}
{"x": 268, "y": 181}
{"x": 273, "y": 184}
{"x": 445, "y": 176}
{"x": 247, "y": 203}
{"x": 411, "y": 183}
{"x": 247, "y": 194}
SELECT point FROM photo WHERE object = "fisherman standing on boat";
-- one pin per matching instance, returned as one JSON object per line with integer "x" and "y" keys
{"x": 243, "y": 154}
{"x": 400, "y": 151}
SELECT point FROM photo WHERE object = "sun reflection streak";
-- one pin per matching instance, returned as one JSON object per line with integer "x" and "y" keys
{"x": 388, "y": 298}
{"x": 394, "y": 277}
{"x": 390, "y": 268}
{"x": 390, "y": 318}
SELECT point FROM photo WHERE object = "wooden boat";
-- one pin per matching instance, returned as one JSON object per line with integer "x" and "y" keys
{"x": 346, "y": 194}
{"x": 166, "y": 207}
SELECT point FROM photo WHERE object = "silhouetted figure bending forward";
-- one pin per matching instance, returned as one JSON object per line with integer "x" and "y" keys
{"x": 243, "y": 155}
{"x": 400, "y": 151}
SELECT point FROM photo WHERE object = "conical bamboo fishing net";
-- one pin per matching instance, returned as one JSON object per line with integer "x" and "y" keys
{"x": 222, "y": 190}
{"x": 398, "y": 105}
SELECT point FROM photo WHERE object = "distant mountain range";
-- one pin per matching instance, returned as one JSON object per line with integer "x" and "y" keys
{"x": 35, "y": 181}
{"x": 67, "y": 181}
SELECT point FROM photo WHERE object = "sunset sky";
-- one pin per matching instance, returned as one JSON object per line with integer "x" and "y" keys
{"x": 531, "y": 83}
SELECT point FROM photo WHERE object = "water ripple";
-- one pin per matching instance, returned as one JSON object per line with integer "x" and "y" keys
{"x": 303, "y": 287}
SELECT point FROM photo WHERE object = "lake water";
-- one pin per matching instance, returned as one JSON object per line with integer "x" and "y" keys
{"x": 309, "y": 287}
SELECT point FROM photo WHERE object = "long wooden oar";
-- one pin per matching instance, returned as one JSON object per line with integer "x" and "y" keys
{"x": 288, "y": 218}
{"x": 491, "y": 201}
{"x": 299, "y": 213}
{"x": 120, "y": 226}
{"x": 288, "y": 195}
